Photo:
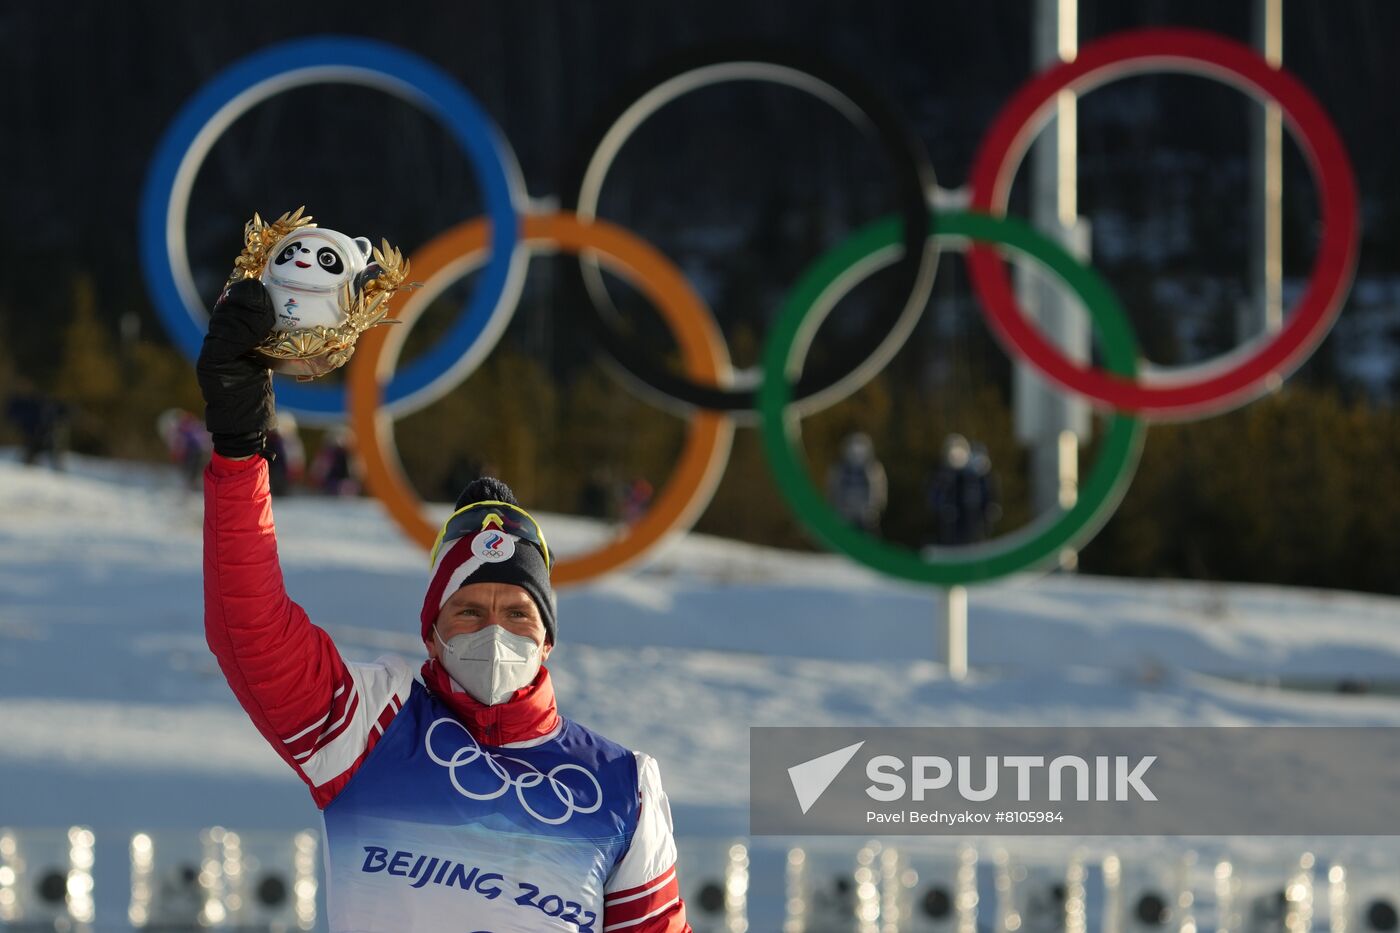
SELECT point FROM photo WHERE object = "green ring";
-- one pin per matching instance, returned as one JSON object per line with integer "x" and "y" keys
{"x": 782, "y": 431}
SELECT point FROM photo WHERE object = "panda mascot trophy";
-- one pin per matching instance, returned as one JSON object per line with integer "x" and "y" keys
{"x": 326, "y": 287}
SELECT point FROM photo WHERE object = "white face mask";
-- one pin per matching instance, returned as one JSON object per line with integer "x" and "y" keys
{"x": 490, "y": 664}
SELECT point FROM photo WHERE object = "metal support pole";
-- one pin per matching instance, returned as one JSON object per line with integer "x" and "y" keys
{"x": 955, "y": 631}
{"x": 1053, "y": 424}
{"x": 1262, "y": 312}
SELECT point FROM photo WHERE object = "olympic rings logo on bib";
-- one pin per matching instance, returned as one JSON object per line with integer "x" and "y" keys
{"x": 710, "y": 393}
{"x": 476, "y": 783}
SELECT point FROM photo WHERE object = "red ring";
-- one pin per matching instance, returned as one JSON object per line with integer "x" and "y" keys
{"x": 1191, "y": 51}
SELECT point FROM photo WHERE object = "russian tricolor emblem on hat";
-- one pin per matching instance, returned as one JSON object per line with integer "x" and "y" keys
{"x": 493, "y": 545}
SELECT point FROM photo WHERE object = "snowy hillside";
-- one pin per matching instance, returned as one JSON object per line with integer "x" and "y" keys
{"x": 113, "y": 714}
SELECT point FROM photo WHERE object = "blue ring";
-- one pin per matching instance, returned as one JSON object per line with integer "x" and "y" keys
{"x": 432, "y": 89}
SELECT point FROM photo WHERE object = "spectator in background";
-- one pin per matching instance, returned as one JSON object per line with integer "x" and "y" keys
{"x": 187, "y": 442}
{"x": 41, "y": 421}
{"x": 597, "y": 498}
{"x": 856, "y": 486}
{"x": 988, "y": 488}
{"x": 336, "y": 471}
{"x": 287, "y": 464}
{"x": 962, "y": 494}
{"x": 636, "y": 500}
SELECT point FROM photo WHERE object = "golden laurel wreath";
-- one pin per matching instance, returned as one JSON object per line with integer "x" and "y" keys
{"x": 330, "y": 346}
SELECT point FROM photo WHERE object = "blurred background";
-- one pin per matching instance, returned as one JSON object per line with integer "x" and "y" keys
{"x": 1246, "y": 578}
{"x": 743, "y": 185}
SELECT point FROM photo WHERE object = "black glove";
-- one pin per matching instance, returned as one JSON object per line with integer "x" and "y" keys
{"x": 237, "y": 386}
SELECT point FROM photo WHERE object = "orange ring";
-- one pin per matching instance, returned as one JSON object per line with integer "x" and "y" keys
{"x": 691, "y": 485}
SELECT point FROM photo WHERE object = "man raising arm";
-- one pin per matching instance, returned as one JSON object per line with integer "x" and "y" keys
{"x": 455, "y": 799}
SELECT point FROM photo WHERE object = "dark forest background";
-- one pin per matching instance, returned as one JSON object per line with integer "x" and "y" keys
{"x": 743, "y": 186}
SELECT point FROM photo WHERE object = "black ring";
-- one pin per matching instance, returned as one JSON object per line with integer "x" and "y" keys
{"x": 913, "y": 271}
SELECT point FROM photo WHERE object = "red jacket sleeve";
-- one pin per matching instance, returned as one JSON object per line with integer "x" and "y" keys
{"x": 319, "y": 714}
{"x": 643, "y": 894}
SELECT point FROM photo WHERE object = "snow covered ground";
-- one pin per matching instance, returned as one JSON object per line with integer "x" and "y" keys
{"x": 113, "y": 714}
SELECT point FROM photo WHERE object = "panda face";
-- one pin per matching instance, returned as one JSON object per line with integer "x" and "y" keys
{"x": 308, "y": 275}
{"x": 311, "y": 262}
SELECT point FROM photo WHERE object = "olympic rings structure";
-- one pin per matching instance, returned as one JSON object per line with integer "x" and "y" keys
{"x": 713, "y": 395}
{"x": 914, "y": 176}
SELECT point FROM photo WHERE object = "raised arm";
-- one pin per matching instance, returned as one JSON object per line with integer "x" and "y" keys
{"x": 320, "y": 714}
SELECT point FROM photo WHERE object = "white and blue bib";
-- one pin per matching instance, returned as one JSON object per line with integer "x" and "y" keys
{"x": 437, "y": 832}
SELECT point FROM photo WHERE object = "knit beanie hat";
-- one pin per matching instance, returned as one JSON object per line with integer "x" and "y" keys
{"x": 491, "y": 554}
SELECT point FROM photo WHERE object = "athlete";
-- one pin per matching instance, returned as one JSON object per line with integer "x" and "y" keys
{"x": 457, "y": 800}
